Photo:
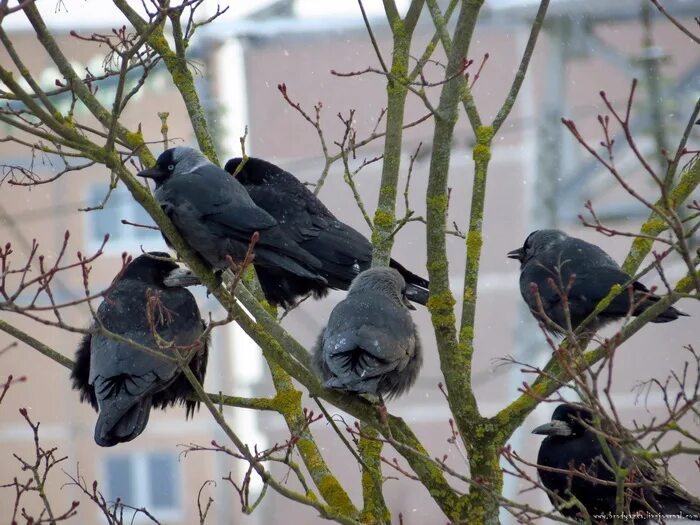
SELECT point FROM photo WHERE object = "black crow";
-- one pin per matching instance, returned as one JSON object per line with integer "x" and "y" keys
{"x": 370, "y": 345}
{"x": 217, "y": 217}
{"x": 342, "y": 250}
{"x": 572, "y": 446}
{"x": 552, "y": 254}
{"x": 122, "y": 382}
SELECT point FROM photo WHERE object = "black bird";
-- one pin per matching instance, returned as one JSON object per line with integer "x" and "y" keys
{"x": 552, "y": 254}
{"x": 370, "y": 345}
{"x": 571, "y": 445}
{"x": 217, "y": 217}
{"x": 343, "y": 251}
{"x": 122, "y": 382}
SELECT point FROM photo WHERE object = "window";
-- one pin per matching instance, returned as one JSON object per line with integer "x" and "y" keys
{"x": 122, "y": 237}
{"x": 148, "y": 480}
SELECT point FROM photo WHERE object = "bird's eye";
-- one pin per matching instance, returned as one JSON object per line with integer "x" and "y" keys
{"x": 171, "y": 167}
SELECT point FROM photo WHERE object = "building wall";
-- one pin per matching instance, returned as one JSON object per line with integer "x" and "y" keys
{"x": 278, "y": 133}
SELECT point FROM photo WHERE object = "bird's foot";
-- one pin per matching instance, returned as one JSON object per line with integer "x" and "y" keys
{"x": 382, "y": 411}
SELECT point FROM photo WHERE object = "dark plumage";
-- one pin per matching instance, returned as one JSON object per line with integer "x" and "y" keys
{"x": 370, "y": 345}
{"x": 342, "y": 250}
{"x": 217, "y": 217}
{"x": 551, "y": 254}
{"x": 571, "y": 445}
{"x": 122, "y": 382}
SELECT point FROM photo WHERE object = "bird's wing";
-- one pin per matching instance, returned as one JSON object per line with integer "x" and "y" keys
{"x": 660, "y": 491}
{"x": 180, "y": 389}
{"x": 589, "y": 271}
{"x": 223, "y": 207}
{"x": 593, "y": 284}
{"x": 119, "y": 369}
{"x": 290, "y": 206}
{"x": 342, "y": 250}
{"x": 219, "y": 201}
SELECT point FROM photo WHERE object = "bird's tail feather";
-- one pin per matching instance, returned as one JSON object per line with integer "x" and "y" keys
{"x": 677, "y": 503}
{"x": 307, "y": 268}
{"x": 647, "y": 301}
{"x": 417, "y": 287}
{"x": 121, "y": 421}
{"x": 124, "y": 406}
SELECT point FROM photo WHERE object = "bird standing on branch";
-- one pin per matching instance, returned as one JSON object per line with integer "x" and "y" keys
{"x": 556, "y": 269}
{"x": 573, "y": 446}
{"x": 123, "y": 382}
{"x": 371, "y": 345}
{"x": 343, "y": 251}
{"x": 217, "y": 218}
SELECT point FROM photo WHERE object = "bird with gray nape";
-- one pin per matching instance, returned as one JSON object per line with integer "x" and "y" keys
{"x": 217, "y": 218}
{"x": 123, "y": 382}
{"x": 370, "y": 344}
{"x": 553, "y": 261}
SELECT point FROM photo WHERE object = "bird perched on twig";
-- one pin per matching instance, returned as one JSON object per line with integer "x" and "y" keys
{"x": 217, "y": 218}
{"x": 123, "y": 382}
{"x": 343, "y": 251}
{"x": 571, "y": 445}
{"x": 561, "y": 265}
{"x": 370, "y": 345}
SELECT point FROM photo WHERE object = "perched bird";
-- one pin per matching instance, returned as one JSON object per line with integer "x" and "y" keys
{"x": 552, "y": 260}
{"x": 217, "y": 217}
{"x": 571, "y": 445}
{"x": 343, "y": 251}
{"x": 122, "y": 382}
{"x": 370, "y": 345}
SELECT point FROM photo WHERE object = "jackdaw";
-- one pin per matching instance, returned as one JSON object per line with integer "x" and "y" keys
{"x": 343, "y": 251}
{"x": 122, "y": 382}
{"x": 370, "y": 345}
{"x": 551, "y": 259}
{"x": 217, "y": 217}
{"x": 571, "y": 445}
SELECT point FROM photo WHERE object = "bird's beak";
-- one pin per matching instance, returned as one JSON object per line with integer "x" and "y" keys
{"x": 516, "y": 254}
{"x": 151, "y": 173}
{"x": 553, "y": 428}
{"x": 181, "y": 277}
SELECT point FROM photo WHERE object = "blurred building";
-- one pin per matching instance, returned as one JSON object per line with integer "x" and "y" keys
{"x": 538, "y": 176}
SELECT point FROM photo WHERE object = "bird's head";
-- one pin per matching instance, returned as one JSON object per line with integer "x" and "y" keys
{"x": 233, "y": 164}
{"x": 538, "y": 241}
{"x": 158, "y": 268}
{"x": 385, "y": 280}
{"x": 252, "y": 171}
{"x": 173, "y": 162}
{"x": 568, "y": 420}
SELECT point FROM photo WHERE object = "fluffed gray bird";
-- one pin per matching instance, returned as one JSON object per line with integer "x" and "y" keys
{"x": 122, "y": 382}
{"x": 370, "y": 345}
{"x": 552, "y": 254}
{"x": 217, "y": 217}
